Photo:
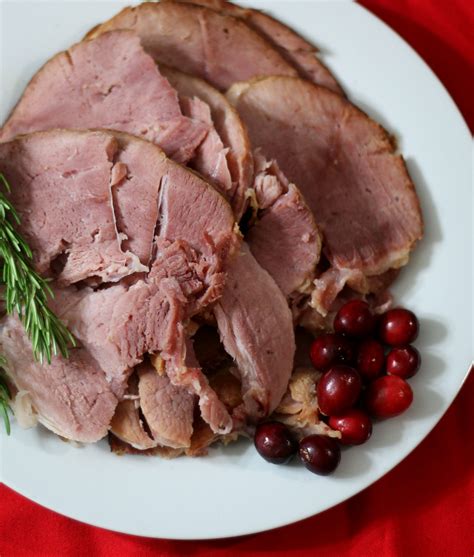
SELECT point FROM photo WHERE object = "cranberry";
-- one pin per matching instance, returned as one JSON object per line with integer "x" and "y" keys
{"x": 275, "y": 443}
{"x": 329, "y": 349}
{"x": 404, "y": 361}
{"x": 354, "y": 319}
{"x": 370, "y": 359}
{"x": 398, "y": 327}
{"x": 338, "y": 389}
{"x": 320, "y": 454}
{"x": 388, "y": 396}
{"x": 355, "y": 427}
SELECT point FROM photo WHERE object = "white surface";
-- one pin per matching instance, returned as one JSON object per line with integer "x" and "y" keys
{"x": 233, "y": 491}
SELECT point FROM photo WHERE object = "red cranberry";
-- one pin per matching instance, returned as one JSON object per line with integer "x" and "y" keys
{"x": 338, "y": 389}
{"x": 398, "y": 327}
{"x": 355, "y": 427}
{"x": 329, "y": 349}
{"x": 388, "y": 396}
{"x": 275, "y": 443}
{"x": 320, "y": 454}
{"x": 403, "y": 362}
{"x": 370, "y": 359}
{"x": 354, "y": 319}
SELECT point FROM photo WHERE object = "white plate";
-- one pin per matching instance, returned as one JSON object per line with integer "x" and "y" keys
{"x": 233, "y": 491}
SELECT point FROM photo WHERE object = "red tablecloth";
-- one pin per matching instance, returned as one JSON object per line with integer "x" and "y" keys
{"x": 425, "y": 507}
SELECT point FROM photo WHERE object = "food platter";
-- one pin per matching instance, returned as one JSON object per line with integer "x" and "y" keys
{"x": 232, "y": 491}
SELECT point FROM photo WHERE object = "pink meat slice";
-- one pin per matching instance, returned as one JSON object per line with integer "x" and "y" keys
{"x": 199, "y": 41}
{"x": 196, "y": 240}
{"x": 168, "y": 409}
{"x": 155, "y": 192}
{"x": 295, "y": 49}
{"x": 230, "y": 130}
{"x": 191, "y": 210}
{"x": 119, "y": 327}
{"x": 70, "y": 397}
{"x": 184, "y": 370}
{"x": 128, "y": 426}
{"x": 346, "y": 166}
{"x": 118, "y": 324}
{"x": 108, "y": 82}
{"x": 121, "y": 323}
{"x": 61, "y": 187}
{"x": 285, "y": 230}
{"x": 256, "y": 329}
{"x": 210, "y": 159}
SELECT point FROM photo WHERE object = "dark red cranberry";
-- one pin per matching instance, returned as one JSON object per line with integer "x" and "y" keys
{"x": 338, "y": 390}
{"x": 355, "y": 426}
{"x": 403, "y": 362}
{"x": 388, "y": 396}
{"x": 355, "y": 319}
{"x": 320, "y": 454}
{"x": 329, "y": 349}
{"x": 370, "y": 359}
{"x": 398, "y": 327}
{"x": 275, "y": 443}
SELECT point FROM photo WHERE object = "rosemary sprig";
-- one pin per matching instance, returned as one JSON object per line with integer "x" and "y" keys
{"x": 26, "y": 293}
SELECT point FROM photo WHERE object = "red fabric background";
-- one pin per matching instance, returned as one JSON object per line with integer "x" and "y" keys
{"x": 425, "y": 507}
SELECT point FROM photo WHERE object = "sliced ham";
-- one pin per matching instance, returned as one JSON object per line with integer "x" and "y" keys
{"x": 228, "y": 142}
{"x": 285, "y": 230}
{"x": 191, "y": 210}
{"x": 61, "y": 187}
{"x": 127, "y": 423}
{"x": 131, "y": 187}
{"x": 295, "y": 49}
{"x": 168, "y": 409}
{"x": 346, "y": 166}
{"x": 184, "y": 370}
{"x": 127, "y": 426}
{"x": 199, "y": 41}
{"x": 256, "y": 328}
{"x": 70, "y": 397}
{"x": 109, "y": 82}
{"x": 154, "y": 192}
{"x": 210, "y": 159}
{"x": 120, "y": 324}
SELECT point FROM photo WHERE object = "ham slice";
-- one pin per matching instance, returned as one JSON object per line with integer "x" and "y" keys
{"x": 168, "y": 409}
{"x": 346, "y": 166}
{"x": 127, "y": 423}
{"x": 118, "y": 324}
{"x": 231, "y": 136}
{"x": 70, "y": 397}
{"x": 285, "y": 230}
{"x": 109, "y": 82}
{"x": 210, "y": 159}
{"x": 256, "y": 328}
{"x": 199, "y": 41}
{"x": 154, "y": 192}
{"x": 295, "y": 49}
{"x": 61, "y": 187}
